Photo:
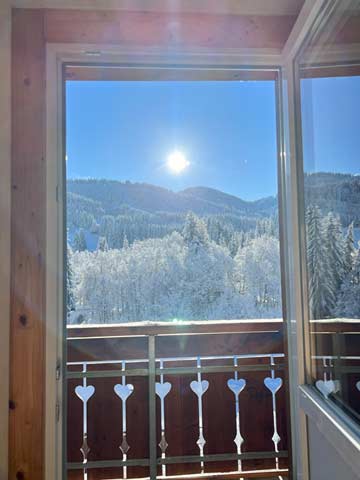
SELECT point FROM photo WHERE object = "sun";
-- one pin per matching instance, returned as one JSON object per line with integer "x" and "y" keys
{"x": 177, "y": 162}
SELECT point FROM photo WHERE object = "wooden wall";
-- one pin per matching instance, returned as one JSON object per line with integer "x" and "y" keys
{"x": 31, "y": 30}
{"x": 5, "y": 116}
{"x": 27, "y": 343}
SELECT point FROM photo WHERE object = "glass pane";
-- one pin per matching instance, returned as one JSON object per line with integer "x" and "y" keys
{"x": 172, "y": 216}
{"x": 172, "y": 210}
{"x": 330, "y": 105}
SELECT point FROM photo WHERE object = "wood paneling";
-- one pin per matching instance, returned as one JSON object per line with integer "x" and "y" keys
{"x": 333, "y": 71}
{"x": 163, "y": 328}
{"x": 27, "y": 383}
{"x": 230, "y": 7}
{"x": 31, "y": 29}
{"x": 113, "y": 73}
{"x": 350, "y": 31}
{"x": 5, "y": 115}
{"x": 170, "y": 30}
{"x": 335, "y": 325}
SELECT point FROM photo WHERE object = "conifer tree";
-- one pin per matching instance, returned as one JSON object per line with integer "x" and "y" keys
{"x": 348, "y": 304}
{"x": 335, "y": 246}
{"x": 350, "y": 250}
{"x": 322, "y": 295}
{"x": 102, "y": 244}
{"x": 125, "y": 242}
{"x": 70, "y": 298}
{"x": 194, "y": 232}
{"x": 80, "y": 241}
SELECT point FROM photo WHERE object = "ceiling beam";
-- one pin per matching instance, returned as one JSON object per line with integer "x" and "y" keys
{"x": 306, "y": 18}
{"x": 150, "y": 29}
{"x": 231, "y": 7}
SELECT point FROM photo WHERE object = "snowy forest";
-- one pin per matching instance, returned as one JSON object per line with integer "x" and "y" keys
{"x": 137, "y": 252}
{"x": 333, "y": 265}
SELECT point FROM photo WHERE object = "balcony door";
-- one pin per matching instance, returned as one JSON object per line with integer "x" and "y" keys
{"x": 174, "y": 361}
{"x": 328, "y": 97}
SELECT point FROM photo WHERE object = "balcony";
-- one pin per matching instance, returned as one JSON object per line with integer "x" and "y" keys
{"x": 145, "y": 399}
{"x": 336, "y": 365}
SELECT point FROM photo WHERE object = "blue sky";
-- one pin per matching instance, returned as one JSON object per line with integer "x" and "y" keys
{"x": 227, "y": 130}
{"x": 125, "y": 131}
{"x": 331, "y": 120}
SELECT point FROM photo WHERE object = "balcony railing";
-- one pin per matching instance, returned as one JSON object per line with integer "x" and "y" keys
{"x": 336, "y": 361}
{"x": 194, "y": 400}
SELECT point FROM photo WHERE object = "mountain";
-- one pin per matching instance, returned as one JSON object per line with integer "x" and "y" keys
{"x": 115, "y": 198}
{"x": 335, "y": 192}
{"x": 122, "y": 211}
{"x": 339, "y": 193}
{"x": 263, "y": 207}
{"x": 125, "y": 212}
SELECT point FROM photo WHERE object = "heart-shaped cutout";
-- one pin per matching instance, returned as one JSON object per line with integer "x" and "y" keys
{"x": 273, "y": 384}
{"x": 199, "y": 387}
{"x": 84, "y": 393}
{"x": 162, "y": 389}
{"x": 326, "y": 387}
{"x": 236, "y": 386}
{"x": 123, "y": 391}
{"x": 358, "y": 385}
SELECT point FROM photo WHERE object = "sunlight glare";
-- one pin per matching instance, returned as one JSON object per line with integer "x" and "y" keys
{"x": 177, "y": 162}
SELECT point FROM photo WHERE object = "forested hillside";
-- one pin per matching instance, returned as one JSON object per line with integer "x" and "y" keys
{"x": 140, "y": 252}
{"x": 125, "y": 211}
{"x": 337, "y": 193}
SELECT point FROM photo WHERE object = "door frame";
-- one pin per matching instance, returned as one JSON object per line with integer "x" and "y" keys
{"x": 58, "y": 55}
{"x": 342, "y": 432}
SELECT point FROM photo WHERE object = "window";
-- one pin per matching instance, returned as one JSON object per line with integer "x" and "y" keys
{"x": 172, "y": 217}
{"x": 172, "y": 208}
{"x": 330, "y": 102}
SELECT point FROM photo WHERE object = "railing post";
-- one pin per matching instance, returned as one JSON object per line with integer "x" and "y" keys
{"x": 152, "y": 408}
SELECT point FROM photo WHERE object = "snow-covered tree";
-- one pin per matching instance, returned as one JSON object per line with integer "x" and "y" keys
{"x": 349, "y": 299}
{"x": 94, "y": 228}
{"x": 70, "y": 299}
{"x": 322, "y": 285}
{"x": 350, "y": 250}
{"x": 181, "y": 275}
{"x": 125, "y": 242}
{"x": 102, "y": 244}
{"x": 80, "y": 241}
{"x": 335, "y": 247}
{"x": 195, "y": 232}
{"x": 95, "y": 286}
{"x": 258, "y": 276}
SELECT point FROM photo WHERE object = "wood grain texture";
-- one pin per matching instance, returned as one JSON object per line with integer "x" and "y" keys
{"x": 349, "y": 33}
{"x": 335, "y": 325}
{"x": 231, "y": 7}
{"x": 104, "y": 73}
{"x": 166, "y": 328}
{"x": 27, "y": 346}
{"x": 153, "y": 29}
{"x": 5, "y": 115}
{"x": 31, "y": 29}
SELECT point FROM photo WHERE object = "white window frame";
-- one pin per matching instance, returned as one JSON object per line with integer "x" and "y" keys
{"x": 56, "y": 56}
{"x": 335, "y": 424}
